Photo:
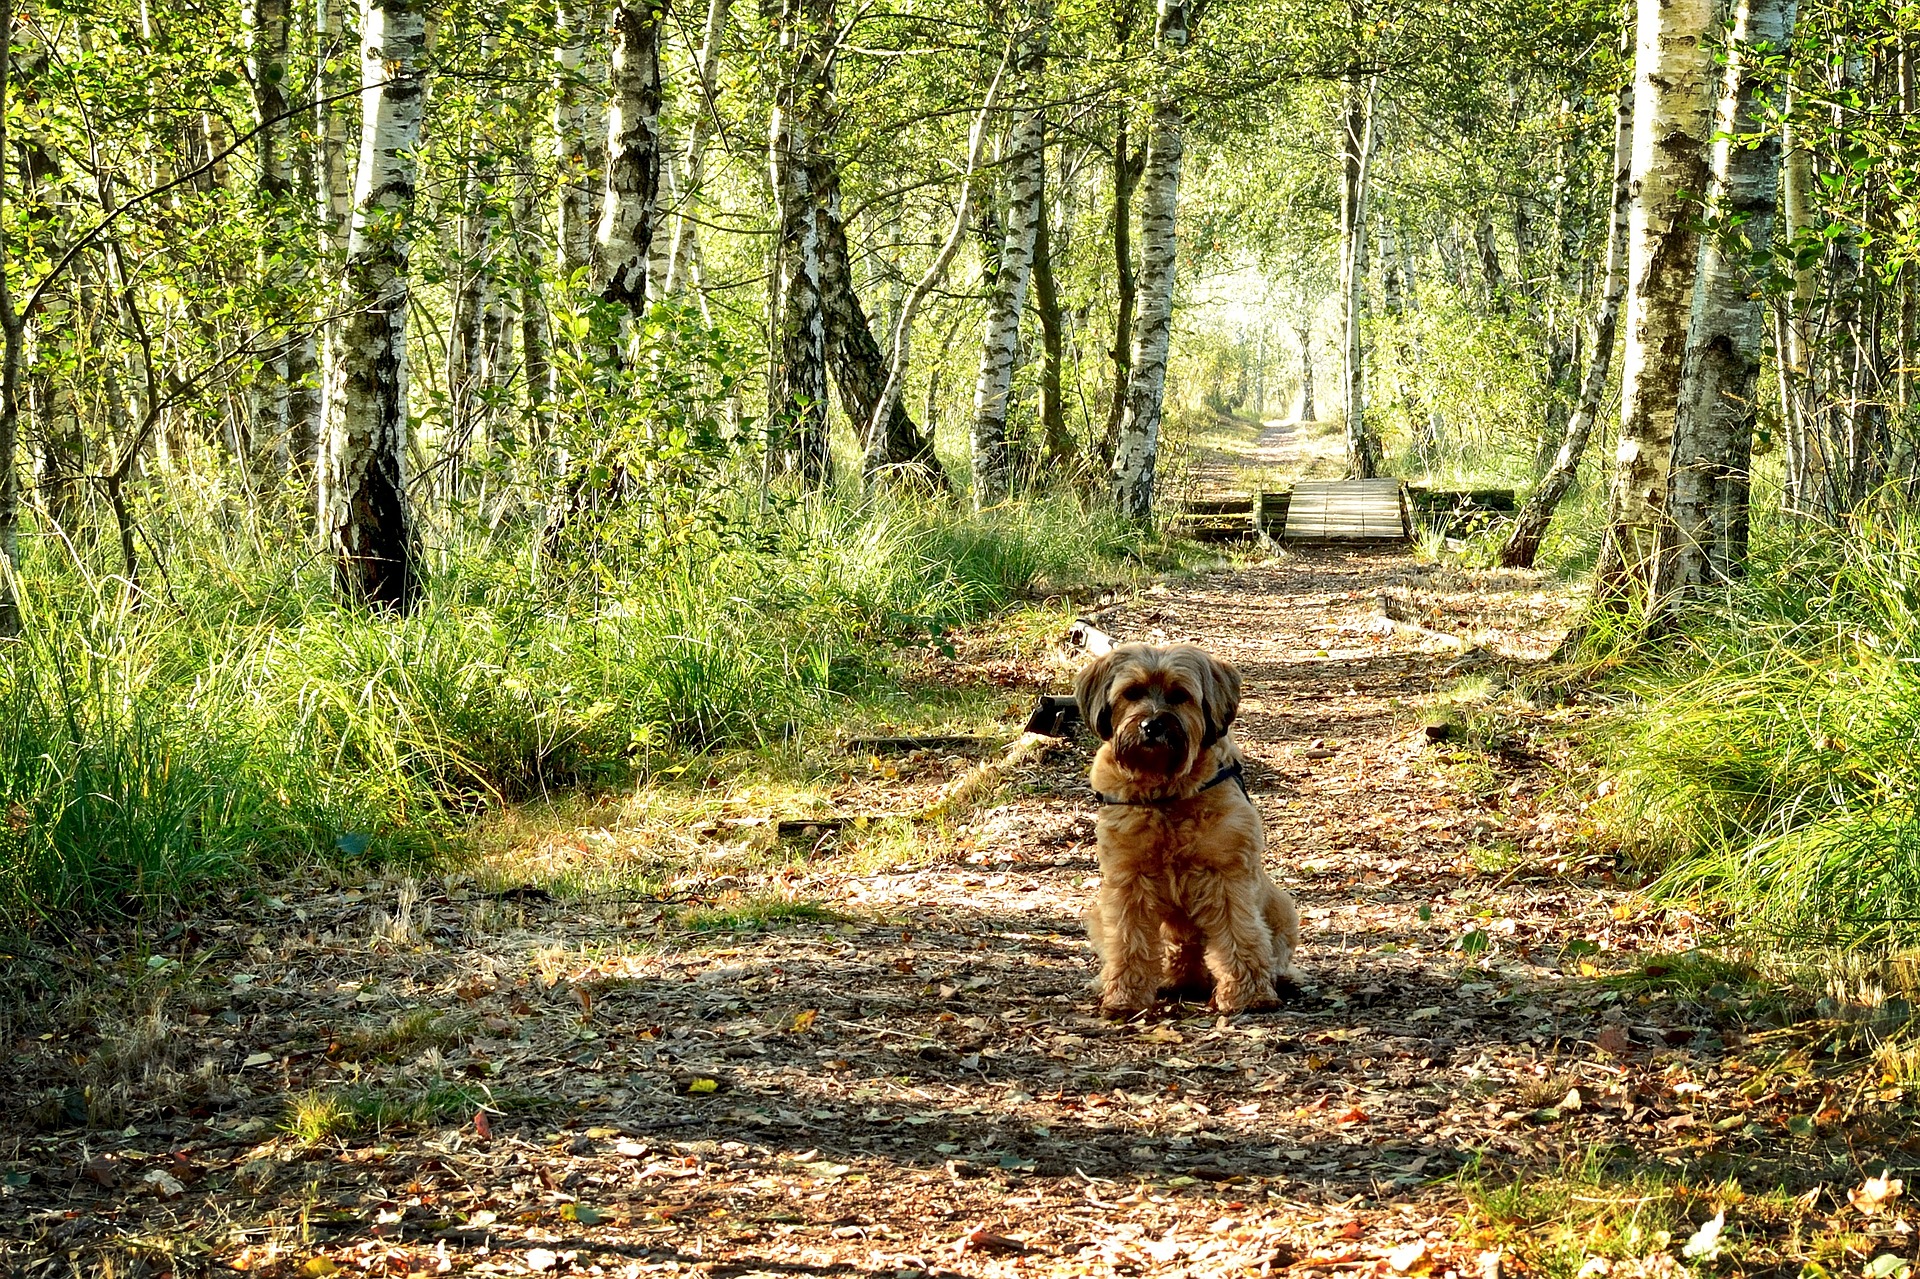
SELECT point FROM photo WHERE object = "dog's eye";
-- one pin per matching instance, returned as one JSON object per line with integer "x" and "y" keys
{"x": 1133, "y": 692}
{"x": 1176, "y": 696}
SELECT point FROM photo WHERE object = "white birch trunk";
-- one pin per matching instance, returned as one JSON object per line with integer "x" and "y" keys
{"x": 1000, "y": 338}
{"x": 625, "y": 233}
{"x": 798, "y": 388}
{"x": 1522, "y": 546}
{"x": 1137, "y": 447}
{"x": 267, "y": 23}
{"x": 901, "y": 346}
{"x": 574, "y": 120}
{"x": 333, "y": 181}
{"x": 699, "y": 133}
{"x": 364, "y": 518}
{"x": 1708, "y": 477}
{"x": 1672, "y": 119}
{"x": 478, "y": 311}
{"x": 1806, "y": 457}
{"x": 1356, "y": 149}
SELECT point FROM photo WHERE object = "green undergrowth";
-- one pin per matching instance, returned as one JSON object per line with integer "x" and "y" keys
{"x": 234, "y": 718}
{"x": 1770, "y": 766}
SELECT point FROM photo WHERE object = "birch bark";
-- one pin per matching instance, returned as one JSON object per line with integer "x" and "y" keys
{"x": 1806, "y": 455}
{"x": 1356, "y": 158}
{"x": 1137, "y": 449}
{"x": 1000, "y": 339}
{"x": 1303, "y": 334}
{"x": 333, "y": 181}
{"x": 1530, "y": 525}
{"x": 707, "y": 79}
{"x": 1672, "y": 118}
{"x": 798, "y": 387}
{"x": 13, "y": 336}
{"x": 886, "y": 407}
{"x": 364, "y": 518}
{"x": 1708, "y": 476}
{"x": 267, "y": 23}
{"x": 625, "y": 232}
{"x": 573, "y": 124}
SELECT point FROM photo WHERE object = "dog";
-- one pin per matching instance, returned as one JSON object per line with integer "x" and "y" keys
{"x": 1185, "y": 903}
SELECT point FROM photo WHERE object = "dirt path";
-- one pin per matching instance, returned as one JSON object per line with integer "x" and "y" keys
{"x": 918, "y": 1084}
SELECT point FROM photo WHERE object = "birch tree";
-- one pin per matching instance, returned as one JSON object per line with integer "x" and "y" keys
{"x": 1356, "y": 159}
{"x": 624, "y": 237}
{"x": 1000, "y": 339}
{"x": 1536, "y": 514}
{"x": 681, "y": 268}
{"x": 797, "y": 391}
{"x": 1137, "y": 449}
{"x": 1708, "y": 478}
{"x": 573, "y": 123}
{"x": 267, "y": 23}
{"x": 364, "y": 517}
{"x": 1672, "y": 117}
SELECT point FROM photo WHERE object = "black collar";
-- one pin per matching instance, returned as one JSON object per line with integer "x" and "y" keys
{"x": 1231, "y": 773}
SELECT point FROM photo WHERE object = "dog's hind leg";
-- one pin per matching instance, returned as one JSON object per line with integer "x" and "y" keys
{"x": 1284, "y": 919}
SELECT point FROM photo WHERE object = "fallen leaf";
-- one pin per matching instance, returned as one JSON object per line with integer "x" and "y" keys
{"x": 1873, "y": 1194}
{"x": 318, "y": 1267}
{"x": 539, "y": 1259}
{"x": 980, "y": 1239}
{"x": 1705, "y": 1244}
{"x": 481, "y": 1126}
{"x": 1615, "y": 1040}
{"x": 803, "y": 1022}
{"x": 257, "y": 1059}
{"x": 1410, "y": 1257}
{"x": 164, "y": 1184}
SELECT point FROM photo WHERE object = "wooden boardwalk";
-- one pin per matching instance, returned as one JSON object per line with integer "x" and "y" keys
{"x": 1347, "y": 511}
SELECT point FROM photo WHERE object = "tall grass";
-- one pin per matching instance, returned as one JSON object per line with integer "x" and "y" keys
{"x": 1775, "y": 764}
{"x": 237, "y": 717}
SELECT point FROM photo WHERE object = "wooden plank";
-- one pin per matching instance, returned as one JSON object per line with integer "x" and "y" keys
{"x": 1347, "y": 510}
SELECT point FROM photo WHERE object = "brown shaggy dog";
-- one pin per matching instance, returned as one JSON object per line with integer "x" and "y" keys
{"x": 1181, "y": 848}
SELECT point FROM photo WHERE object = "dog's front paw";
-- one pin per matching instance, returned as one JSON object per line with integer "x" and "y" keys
{"x": 1120, "y": 1010}
{"x": 1245, "y": 997}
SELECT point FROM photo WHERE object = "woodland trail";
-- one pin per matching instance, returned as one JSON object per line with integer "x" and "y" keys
{"x": 918, "y": 1084}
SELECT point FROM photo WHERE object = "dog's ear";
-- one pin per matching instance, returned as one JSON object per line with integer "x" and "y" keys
{"x": 1093, "y": 690}
{"x": 1219, "y": 700}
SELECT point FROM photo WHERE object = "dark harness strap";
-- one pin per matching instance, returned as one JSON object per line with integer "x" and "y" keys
{"x": 1231, "y": 773}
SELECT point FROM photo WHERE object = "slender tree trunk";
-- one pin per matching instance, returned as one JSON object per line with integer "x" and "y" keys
{"x": 1672, "y": 121}
{"x": 1806, "y": 458}
{"x": 1127, "y": 167}
{"x": 1356, "y": 152}
{"x": 573, "y": 125}
{"x": 333, "y": 176}
{"x": 798, "y": 388}
{"x": 1303, "y": 334}
{"x": 267, "y": 24}
{"x": 854, "y": 357}
{"x": 364, "y": 516}
{"x": 1046, "y": 304}
{"x": 699, "y": 134}
{"x": 878, "y": 429}
{"x": 536, "y": 367}
{"x": 625, "y": 233}
{"x": 1709, "y": 475}
{"x": 1530, "y": 525}
{"x": 1000, "y": 338}
{"x": 12, "y": 340}
{"x": 1137, "y": 451}
{"x": 472, "y": 350}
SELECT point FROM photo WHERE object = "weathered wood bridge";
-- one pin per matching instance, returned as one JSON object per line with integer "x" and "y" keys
{"x": 1339, "y": 512}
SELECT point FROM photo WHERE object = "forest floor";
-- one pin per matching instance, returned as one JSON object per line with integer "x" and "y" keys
{"x": 891, "y": 1065}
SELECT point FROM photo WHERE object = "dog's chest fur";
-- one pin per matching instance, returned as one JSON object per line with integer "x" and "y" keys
{"x": 1217, "y": 829}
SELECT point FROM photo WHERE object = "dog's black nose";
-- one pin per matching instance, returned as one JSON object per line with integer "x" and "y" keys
{"x": 1158, "y": 727}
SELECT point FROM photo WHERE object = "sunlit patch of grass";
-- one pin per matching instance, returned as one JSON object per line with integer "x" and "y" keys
{"x": 413, "y": 1032}
{"x": 1598, "y": 1205}
{"x": 335, "y": 1114}
{"x": 756, "y": 916}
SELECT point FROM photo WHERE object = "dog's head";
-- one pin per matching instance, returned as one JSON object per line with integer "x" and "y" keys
{"x": 1162, "y": 708}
